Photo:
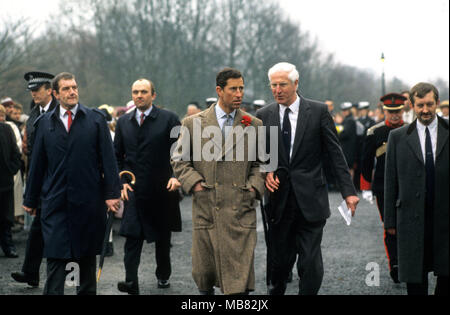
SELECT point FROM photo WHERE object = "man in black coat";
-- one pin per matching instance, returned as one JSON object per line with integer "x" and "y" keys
{"x": 143, "y": 143}
{"x": 348, "y": 136}
{"x": 73, "y": 174}
{"x": 299, "y": 204}
{"x": 40, "y": 87}
{"x": 10, "y": 162}
{"x": 416, "y": 194}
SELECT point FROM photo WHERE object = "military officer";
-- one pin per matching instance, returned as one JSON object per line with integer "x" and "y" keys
{"x": 374, "y": 149}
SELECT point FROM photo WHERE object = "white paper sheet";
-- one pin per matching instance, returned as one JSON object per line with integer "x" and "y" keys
{"x": 346, "y": 213}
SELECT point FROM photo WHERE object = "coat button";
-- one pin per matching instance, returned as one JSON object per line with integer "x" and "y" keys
{"x": 418, "y": 195}
{"x": 217, "y": 208}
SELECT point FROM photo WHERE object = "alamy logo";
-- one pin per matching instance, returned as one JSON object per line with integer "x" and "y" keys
{"x": 373, "y": 278}
{"x": 73, "y": 277}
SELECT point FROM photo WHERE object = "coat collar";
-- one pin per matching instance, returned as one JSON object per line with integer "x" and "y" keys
{"x": 153, "y": 114}
{"x": 414, "y": 141}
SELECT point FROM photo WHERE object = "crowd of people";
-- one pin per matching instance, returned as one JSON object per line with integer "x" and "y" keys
{"x": 72, "y": 159}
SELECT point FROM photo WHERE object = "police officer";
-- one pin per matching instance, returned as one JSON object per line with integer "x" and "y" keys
{"x": 374, "y": 153}
{"x": 40, "y": 87}
{"x": 348, "y": 136}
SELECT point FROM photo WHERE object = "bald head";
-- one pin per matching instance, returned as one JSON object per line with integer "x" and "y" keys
{"x": 143, "y": 93}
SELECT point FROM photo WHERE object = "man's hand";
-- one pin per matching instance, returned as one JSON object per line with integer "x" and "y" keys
{"x": 272, "y": 183}
{"x": 30, "y": 211}
{"x": 113, "y": 205}
{"x": 124, "y": 193}
{"x": 173, "y": 184}
{"x": 198, "y": 187}
{"x": 352, "y": 202}
{"x": 391, "y": 231}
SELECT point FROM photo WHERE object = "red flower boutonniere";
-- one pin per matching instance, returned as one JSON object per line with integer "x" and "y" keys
{"x": 246, "y": 121}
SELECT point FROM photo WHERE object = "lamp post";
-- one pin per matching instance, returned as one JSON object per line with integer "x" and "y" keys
{"x": 383, "y": 82}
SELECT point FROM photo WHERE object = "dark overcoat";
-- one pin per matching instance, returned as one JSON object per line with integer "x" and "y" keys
{"x": 9, "y": 157}
{"x": 72, "y": 174}
{"x": 10, "y": 163}
{"x": 145, "y": 151}
{"x": 349, "y": 140}
{"x": 405, "y": 182}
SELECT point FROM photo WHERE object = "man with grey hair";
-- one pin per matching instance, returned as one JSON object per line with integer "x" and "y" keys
{"x": 298, "y": 203}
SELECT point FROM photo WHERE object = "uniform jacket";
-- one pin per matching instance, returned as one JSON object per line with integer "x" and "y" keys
{"x": 315, "y": 135}
{"x": 405, "y": 200}
{"x": 224, "y": 214}
{"x": 34, "y": 114}
{"x": 374, "y": 149}
{"x": 348, "y": 139}
{"x": 72, "y": 174}
{"x": 145, "y": 151}
{"x": 10, "y": 161}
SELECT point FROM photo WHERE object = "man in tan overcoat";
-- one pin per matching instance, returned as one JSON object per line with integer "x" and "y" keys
{"x": 225, "y": 187}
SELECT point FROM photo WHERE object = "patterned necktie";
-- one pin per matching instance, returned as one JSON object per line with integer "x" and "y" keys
{"x": 286, "y": 133}
{"x": 69, "y": 121}
{"x": 228, "y": 123}
{"x": 142, "y": 119}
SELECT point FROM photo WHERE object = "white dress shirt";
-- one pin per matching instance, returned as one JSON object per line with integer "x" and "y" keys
{"x": 293, "y": 118}
{"x": 65, "y": 117}
{"x": 433, "y": 128}
{"x": 46, "y": 107}
{"x": 139, "y": 113}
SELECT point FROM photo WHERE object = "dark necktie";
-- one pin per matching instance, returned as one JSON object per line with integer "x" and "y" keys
{"x": 142, "y": 119}
{"x": 69, "y": 121}
{"x": 42, "y": 111}
{"x": 429, "y": 199}
{"x": 429, "y": 168}
{"x": 287, "y": 133}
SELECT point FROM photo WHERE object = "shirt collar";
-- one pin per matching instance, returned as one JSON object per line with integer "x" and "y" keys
{"x": 46, "y": 107}
{"x": 294, "y": 107}
{"x": 146, "y": 113}
{"x": 62, "y": 111}
{"x": 432, "y": 127}
{"x": 220, "y": 113}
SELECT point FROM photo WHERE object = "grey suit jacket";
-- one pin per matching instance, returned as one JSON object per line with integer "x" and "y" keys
{"x": 404, "y": 203}
{"x": 304, "y": 173}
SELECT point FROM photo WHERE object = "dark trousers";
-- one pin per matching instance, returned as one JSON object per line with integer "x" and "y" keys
{"x": 292, "y": 236}
{"x": 390, "y": 241}
{"x": 422, "y": 288}
{"x": 6, "y": 220}
{"x": 132, "y": 259}
{"x": 34, "y": 248}
{"x": 57, "y": 273}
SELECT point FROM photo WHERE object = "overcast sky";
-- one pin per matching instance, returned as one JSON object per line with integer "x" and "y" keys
{"x": 413, "y": 34}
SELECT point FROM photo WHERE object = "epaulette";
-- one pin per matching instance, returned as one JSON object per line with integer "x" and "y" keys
{"x": 372, "y": 129}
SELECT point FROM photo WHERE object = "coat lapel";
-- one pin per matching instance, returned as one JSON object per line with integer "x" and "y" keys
{"x": 302, "y": 124}
{"x": 274, "y": 120}
{"x": 210, "y": 119}
{"x": 414, "y": 141}
{"x": 442, "y": 137}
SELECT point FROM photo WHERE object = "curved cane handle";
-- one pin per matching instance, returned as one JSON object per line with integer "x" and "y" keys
{"x": 133, "y": 178}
